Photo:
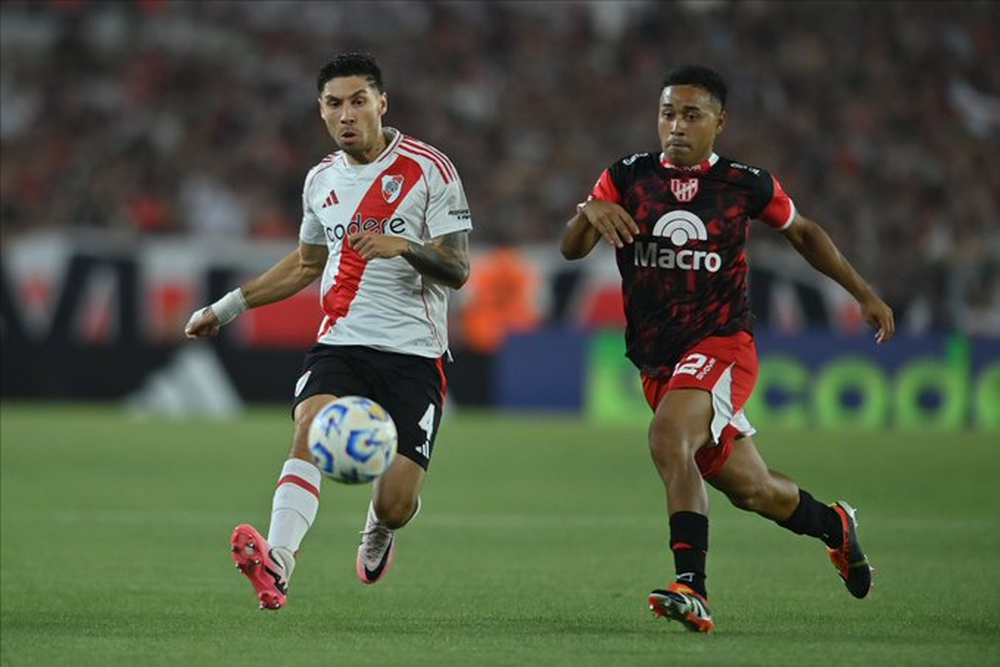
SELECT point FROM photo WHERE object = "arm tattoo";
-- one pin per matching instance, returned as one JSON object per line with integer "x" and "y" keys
{"x": 445, "y": 260}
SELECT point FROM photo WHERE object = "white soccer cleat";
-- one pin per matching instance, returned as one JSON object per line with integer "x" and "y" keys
{"x": 377, "y": 548}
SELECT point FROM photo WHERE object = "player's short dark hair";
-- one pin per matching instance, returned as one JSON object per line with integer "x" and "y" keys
{"x": 701, "y": 76}
{"x": 351, "y": 64}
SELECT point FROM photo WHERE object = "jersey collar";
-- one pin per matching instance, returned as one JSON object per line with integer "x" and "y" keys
{"x": 393, "y": 136}
{"x": 700, "y": 168}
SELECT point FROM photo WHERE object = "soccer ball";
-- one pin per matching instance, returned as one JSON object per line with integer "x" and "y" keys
{"x": 352, "y": 440}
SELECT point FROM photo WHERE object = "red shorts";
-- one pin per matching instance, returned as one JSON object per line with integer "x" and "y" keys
{"x": 725, "y": 367}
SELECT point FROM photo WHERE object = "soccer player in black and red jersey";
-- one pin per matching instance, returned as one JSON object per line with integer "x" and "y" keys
{"x": 678, "y": 221}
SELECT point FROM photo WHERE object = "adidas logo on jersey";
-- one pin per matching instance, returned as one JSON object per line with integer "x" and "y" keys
{"x": 331, "y": 199}
{"x": 680, "y": 227}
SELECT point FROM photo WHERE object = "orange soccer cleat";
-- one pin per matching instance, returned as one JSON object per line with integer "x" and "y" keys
{"x": 851, "y": 563}
{"x": 681, "y": 603}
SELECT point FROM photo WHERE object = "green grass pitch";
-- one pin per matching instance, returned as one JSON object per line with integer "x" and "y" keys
{"x": 539, "y": 540}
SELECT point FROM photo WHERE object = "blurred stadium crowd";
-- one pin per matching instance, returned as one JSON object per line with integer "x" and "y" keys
{"x": 881, "y": 119}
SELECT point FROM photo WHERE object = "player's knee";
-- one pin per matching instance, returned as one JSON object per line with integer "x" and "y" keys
{"x": 668, "y": 442}
{"x": 302, "y": 422}
{"x": 300, "y": 439}
{"x": 750, "y": 497}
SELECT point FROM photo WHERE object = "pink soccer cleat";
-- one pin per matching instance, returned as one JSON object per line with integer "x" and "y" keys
{"x": 265, "y": 570}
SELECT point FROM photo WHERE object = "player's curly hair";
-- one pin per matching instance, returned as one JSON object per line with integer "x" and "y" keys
{"x": 701, "y": 76}
{"x": 351, "y": 64}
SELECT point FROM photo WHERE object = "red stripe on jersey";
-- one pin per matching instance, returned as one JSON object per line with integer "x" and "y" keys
{"x": 432, "y": 152}
{"x": 338, "y": 300}
{"x": 780, "y": 210}
{"x": 449, "y": 165}
{"x": 442, "y": 162}
{"x": 442, "y": 168}
{"x": 605, "y": 189}
{"x": 298, "y": 481}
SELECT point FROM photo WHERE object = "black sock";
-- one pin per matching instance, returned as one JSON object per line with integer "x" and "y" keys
{"x": 815, "y": 519}
{"x": 689, "y": 542}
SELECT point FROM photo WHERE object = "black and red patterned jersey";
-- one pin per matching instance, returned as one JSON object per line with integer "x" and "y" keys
{"x": 684, "y": 277}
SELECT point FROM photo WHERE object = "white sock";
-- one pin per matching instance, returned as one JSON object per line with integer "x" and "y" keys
{"x": 296, "y": 501}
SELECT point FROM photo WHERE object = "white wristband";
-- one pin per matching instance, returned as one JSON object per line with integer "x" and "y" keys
{"x": 231, "y": 306}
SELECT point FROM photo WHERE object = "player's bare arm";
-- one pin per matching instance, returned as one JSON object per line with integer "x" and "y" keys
{"x": 290, "y": 275}
{"x": 594, "y": 220}
{"x": 299, "y": 269}
{"x": 444, "y": 260}
{"x": 813, "y": 243}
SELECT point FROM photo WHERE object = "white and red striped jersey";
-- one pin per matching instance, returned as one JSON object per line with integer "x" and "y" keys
{"x": 411, "y": 190}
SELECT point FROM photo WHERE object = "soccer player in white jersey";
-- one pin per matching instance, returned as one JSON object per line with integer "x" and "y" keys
{"x": 385, "y": 224}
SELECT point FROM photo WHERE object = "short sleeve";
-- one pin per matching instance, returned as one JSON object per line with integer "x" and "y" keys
{"x": 447, "y": 206}
{"x": 605, "y": 189}
{"x": 311, "y": 230}
{"x": 778, "y": 209}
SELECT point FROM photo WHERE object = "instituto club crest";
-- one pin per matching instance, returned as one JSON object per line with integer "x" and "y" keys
{"x": 684, "y": 189}
{"x": 392, "y": 185}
